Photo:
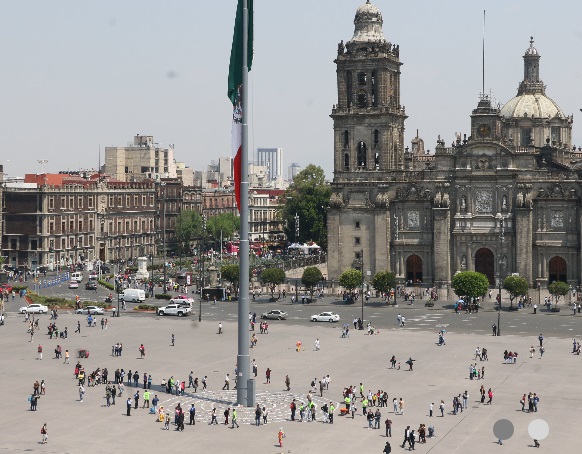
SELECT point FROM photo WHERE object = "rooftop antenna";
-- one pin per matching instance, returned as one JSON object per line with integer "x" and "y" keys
{"x": 483, "y": 63}
{"x": 99, "y": 168}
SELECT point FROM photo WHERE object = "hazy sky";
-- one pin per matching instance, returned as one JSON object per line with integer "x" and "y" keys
{"x": 76, "y": 75}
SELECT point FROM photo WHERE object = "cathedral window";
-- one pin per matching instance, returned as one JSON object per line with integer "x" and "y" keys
{"x": 346, "y": 162}
{"x": 526, "y": 137}
{"x": 346, "y": 139}
{"x": 377, "y": 161}
{"x": 362, "y": 98}
{"x": 356, "y": 240}
{"x": 349, "y": 89}
{"x": 376, "y": 138}
{"x": 362, "y": 154}
{"x": 362, "y": 78}
{"x": 357, "y": 225}
{"x": 555, "y": 135}
{"x": 374, "y": 89}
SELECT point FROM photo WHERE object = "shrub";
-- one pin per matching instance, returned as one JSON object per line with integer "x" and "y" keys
{"x": 107, "y": 285}
{"x": 145, "y": 307}
{"x": 17, "y": 288}
{"x": 163, "y": 296}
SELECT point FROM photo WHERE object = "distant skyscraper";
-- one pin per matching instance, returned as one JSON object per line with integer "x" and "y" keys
{"x": 293, "y": 170}
{"x": 272, "y": 158}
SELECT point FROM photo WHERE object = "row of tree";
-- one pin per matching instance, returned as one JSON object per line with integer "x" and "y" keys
{"x": 189, "y": 229}
{"x": 472, "y": 284}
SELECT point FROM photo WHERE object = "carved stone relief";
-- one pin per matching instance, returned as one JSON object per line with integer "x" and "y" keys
{"x": 484, "y": 201}
{"x": 557, "y": 219}
{"x": 413, "y": 219}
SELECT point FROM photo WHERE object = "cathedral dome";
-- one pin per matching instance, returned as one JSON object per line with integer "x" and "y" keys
{"x": 532, "y": 105}
{"x": 368, "y": 24}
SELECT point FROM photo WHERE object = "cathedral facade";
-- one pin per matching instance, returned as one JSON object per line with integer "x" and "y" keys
{"x": 503, "y": 200}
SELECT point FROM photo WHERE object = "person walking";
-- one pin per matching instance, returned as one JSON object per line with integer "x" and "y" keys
{"x": 401, "y": 406}
{"x": 490, "y": 395}
{"x": 258, "y": 413}
{"x": 388, "y": 424}
{"x": 173, "y": 340}
{"x": 219, "y": 327}
{"x": 287, "y": 382}
{"x": 78, "y": 330}
{"x": 136, "y": 399}
{"x": 542, "y": 350}
{"x": 192, "y": 412}
{"x": 81, "y": 393}
{"x": 268, "y": 375}
{"x": 66, "y": 357}
{"x": 44, "y": 433}
{"x": 234, "y": 419}
{"x": 128, "y": 403}
{"x": 280, "y": 436}
{"x": 39, "y": 352}
{"x": 406, "y": 434}
{"x": 317, "y": 345}
{"x": 226, "y": 382}
{"x": 532, "y": 350}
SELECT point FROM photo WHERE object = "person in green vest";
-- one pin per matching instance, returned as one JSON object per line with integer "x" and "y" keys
{"x": 146, "y": 399}
{"x": 365, "y": 406}
{"x": 348, "y": 402}
{"x": 330, "y": 412}
{"x": 234, "y": 419}
{"x": 302, "y": 411}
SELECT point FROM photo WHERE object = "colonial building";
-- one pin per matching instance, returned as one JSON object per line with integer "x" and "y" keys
{"x": 505, "y": 199}
{"x": 56, "y": 220}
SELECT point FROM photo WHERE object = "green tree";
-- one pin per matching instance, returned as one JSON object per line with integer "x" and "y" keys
{"x": 311, "y": 277}
{"x": 470, "y": 283}
{"x": 307, "y": 197}
{"x": 516, "y": 286}
{"x": 272, "y": 277}
{"x": 558, "y": 289}
{"x": 188, "y": 229}
{"x": 231, "y": 273}
{"x": 384, "y": 281}
{"x": 227, "y": 223}
{"x": 351, "y": 279}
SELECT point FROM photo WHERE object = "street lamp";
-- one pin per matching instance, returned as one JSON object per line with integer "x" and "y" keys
{"x": 499, "y": 216}
{"x": 296, "y": 227}
{"x": 362, "y": 295}
{"x": 202, "y": 266}
{"x": 164, "y": 237}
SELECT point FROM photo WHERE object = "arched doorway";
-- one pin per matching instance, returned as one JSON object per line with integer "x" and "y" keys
{"x": 558, "y": 270}
{"x": 414, "y": 269}
{"x": 485, "y": 263}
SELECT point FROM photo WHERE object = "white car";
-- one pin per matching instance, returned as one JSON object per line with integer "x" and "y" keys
{"x": 90, "y": 310}
{"x": 325, "y": 317}
{"x": 73, "y": 284}
{"x": 34, "y": 309}
{"x": 184, "y": 302}
{"x": 174, "y": 309}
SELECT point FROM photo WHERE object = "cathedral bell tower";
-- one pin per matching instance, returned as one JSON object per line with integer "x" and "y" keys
{"x": 368, "y": 118}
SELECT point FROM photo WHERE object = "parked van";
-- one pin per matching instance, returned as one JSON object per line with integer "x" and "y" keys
{"x": 133, "y": 295}
{"x": 77, "y": 276}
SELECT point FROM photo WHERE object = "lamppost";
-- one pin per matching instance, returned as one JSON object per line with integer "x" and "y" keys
{"x": 202, "y": 266}
{"x": 362, "y": 295}
{"x": 164, "y": 237}
{"x": 296, "y": 227}
{"x": 501, "y": 265}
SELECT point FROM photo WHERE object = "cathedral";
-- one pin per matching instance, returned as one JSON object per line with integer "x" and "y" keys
{"x": 503, "y": 200}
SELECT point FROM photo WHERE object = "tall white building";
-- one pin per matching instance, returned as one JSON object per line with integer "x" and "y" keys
{"x": 272, "y": 158}
{"x": 293, "y": 170}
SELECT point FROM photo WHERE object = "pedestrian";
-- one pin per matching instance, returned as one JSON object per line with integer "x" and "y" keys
{"x": 532, "y": 350}
{"x": 66, "y": 357}
{"x": 258, "y": 413}
{"x": 287, "y": 382}
{"x": 234, "y": 419}
{"x": 316, "y": 345}
{"x": 490, "y": 395}
{"x": 387, "y": 448}
{"x": 78, "y": 330}
{"x": 39, "y": 352}
{"x": 219, "y": 327}
{"x": 442, "y": 408}
{"x": 406, "y": 434}
{"x": 136, "y": 398}
{"x": 44, "y": 433}
{"x": 204, "y": 383}
{"x": 280, "y": 436}
{"x": 268, "y": 375}
{"x": 541, "y": 339}
{"x": 430, "y": 407}
{"x": 388, "y": 424}
{"x": 213, "y": 419}
{"x": 167, "y": 420}
{"x": 173, "y": 339}
{"x": 542, "y": 350}
{"x": 146, "y": 399}
{"x": 411, "y": 440}
{"x": 192, "y": 412}
{"x": 226, "y": 415}
{"x": 265, "y": 415}
{"x": 81, "y": 393}
{"x": 226, "y": 382}
{"x": 401, "y": 406}
{"x": 494, "y": 328}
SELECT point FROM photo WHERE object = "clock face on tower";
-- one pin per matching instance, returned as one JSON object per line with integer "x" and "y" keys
{"x": 484, "y": 130}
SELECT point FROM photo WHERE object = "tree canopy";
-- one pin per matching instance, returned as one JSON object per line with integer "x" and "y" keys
{"x": 558, "y": 289}
{"x": 227, "y": 223}
{"x": 516, "y": 286}
{"x": 470, "y": 283}
{"x": 230, "y": 273}
{"x": 188, "y": 229}
{"x": 350, "y": 279}
{"x": 272, "y": 277}
{"x": 311, "y": 277}
{"x": 384, "y": 281}
{"x": 307, "y": 197}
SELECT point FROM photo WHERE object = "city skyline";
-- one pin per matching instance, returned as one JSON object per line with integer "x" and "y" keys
{"x": 86, "y": 77}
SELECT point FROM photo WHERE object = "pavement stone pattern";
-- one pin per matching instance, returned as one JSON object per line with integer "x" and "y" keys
{"x": 439, "y": 373}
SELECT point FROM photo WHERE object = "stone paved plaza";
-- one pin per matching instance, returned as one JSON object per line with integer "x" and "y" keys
{"x": 439, "y": 373}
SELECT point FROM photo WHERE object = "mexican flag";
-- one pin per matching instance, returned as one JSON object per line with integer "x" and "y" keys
{"x": 235, "y": 78}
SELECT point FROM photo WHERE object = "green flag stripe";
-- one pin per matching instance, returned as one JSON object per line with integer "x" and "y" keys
{"x": 236, "y": 52}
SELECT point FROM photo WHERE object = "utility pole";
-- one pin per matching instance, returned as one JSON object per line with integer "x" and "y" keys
{"x": 202, "y": 266}
{"x": 164, "y": 238}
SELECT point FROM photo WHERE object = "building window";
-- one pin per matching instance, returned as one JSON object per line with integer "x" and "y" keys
{"x": 71, "y": 203}
{"x": 374, "y": 89}
{"x": 346, "y": 162}
{"x": 90, "y": 201}
{"x": 63, "y": 203}
{"x": 357, "y": 240}
{"x": 80, "y": 226}
{"x": 33, "y": 245}
{"x": 51, "y": 203}
{"x": 63, "y": 243}
{"x": 362, "y": 79}
{"x": 357, "y": 225}
{"x": 71, "y": 225}
{"x": 80, "y": 202}
{"x": 377, "y": 161}
{"x": 526, "y": 137}
{"x": 362, "y": 99}
{"x": 346, "y": 139}
{"x": 376, "y": 138}
{"x": 349, "y": 89}
{"x": 358, "y": 255}
{"x": 362, "y": 155}
{"x": 555, "y": 135}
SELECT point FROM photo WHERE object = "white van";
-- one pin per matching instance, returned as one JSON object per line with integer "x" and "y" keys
{"x": 133, "y": 295}
{"x": 77, "y": 276}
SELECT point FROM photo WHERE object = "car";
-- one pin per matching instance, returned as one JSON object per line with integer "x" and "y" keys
{"x": 275, "y": 315}
{"x": 6, "y": 287}
{"x": 325, "y": 317}
{"x": 91, "y": 285}
{"x": 182, "y": 301}
{"x": 73, "y": 284}
{"x": 90, "y": 310}
{"x": 174, "y": 309}
{"x": 105, "y": 268}
{"x": 34, "y": 309}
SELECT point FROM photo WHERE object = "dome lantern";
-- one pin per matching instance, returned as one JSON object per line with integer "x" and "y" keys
{"x": 368, "y": 24}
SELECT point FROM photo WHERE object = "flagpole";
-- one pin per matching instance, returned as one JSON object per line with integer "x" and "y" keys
{"x": 245, "y": 388}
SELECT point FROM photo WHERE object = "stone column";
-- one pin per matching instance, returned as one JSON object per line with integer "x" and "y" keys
{"x": 442, "y": 245}
{"x": 381, "y": 247}
{"x": 523, "y": 243}
{"x": 334, "y": 239}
